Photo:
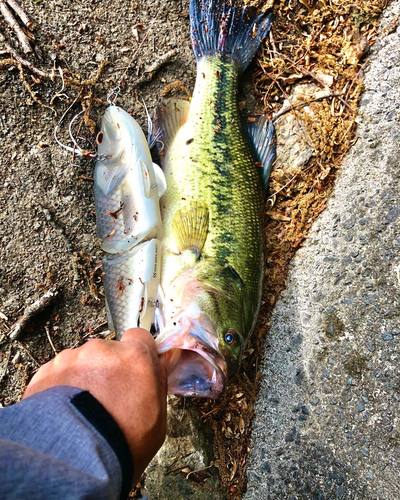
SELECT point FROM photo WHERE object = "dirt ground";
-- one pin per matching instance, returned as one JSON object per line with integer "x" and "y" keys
{"x": 47, "y": 220}
{"x": 47, "y": 223}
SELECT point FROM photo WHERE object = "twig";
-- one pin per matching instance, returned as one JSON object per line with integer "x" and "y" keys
{"x": 31, "y": 311}
{"x": 99, "y": 327}
{"x": 85, "y": 178}
{"x": 149, "y": 72}
{"x": 354, "y": 79}
{"x": 288, "y": 99}
{"x": 21, "y": 14}
{"x": 296, "y": 107}
{"x": 27, "y": 352}
{"x": 3, "y": 374}
{"x": 289, "y": 182}
{"x": 199, "y": 470}
{"x": 315, "y": 77}
{"x": 22, "y": 38}
{"x": 24, "y": 62}
{"x": 50, "y": 341}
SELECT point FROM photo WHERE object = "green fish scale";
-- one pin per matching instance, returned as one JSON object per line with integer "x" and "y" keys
{"x": 217, "y": 168}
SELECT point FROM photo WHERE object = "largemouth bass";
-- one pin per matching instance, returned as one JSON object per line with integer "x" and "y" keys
{"x": 212, "y": 250}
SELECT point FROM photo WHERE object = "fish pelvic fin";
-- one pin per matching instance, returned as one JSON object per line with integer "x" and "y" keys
{"x": 169, "y": 118}
{"x": 190, "y": 227}
{"x": 218, "y": 27}
{"x": 260, "y": 134}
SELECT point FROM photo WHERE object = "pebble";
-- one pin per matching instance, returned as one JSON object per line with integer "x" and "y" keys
{"x": 369, "y": 475}
{"x": 266, "y": 467}
{"x": 393, "y": 214}
{"x": 349, "y": 223}
{"x": 16, "y": 359}
{"x": 370, "y": 346}
{"x": 340, "y": 492}
{"x": 315, "y": 401}
{"x": 291, "y": 435}
{"x": 359, "y": 407}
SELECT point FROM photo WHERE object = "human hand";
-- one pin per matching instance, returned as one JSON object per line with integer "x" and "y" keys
{"x": 128, "y": 380}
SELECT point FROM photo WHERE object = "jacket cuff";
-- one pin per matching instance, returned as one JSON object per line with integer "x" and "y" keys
{"x": 105, "y": 424}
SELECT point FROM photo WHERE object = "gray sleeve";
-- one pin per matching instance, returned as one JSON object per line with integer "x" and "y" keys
{"x": 62, "y": 443}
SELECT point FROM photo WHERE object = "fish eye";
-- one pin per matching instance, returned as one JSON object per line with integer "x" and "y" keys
{"x": 230, "y": 337}
{"x": 99, "y": 138}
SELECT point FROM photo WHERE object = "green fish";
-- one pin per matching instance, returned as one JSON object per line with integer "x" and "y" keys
{"x": 216, "y": 171}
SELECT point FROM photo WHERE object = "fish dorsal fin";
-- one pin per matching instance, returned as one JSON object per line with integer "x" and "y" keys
{"x": 160, "y": 179}
{"x": 169, "y": 119}
{"x": 260, "y": 133}
{"x": 190, "y": 227}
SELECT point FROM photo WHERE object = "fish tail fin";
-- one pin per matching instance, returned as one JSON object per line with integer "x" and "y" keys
{"x": 218, "y": 27}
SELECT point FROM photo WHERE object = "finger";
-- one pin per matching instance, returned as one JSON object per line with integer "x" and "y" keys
{"x": 139, "y": 335}
{"x": 163, "y": 377}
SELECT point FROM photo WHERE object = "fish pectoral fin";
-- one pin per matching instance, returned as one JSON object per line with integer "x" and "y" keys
{"x": 169, "y": 119}
{"x": 160, "y": 179}
{"x": 147, "y": 178}
{"x": 109, "y": 179}
{"x": 190, "y": 227}
{"x": 260, "y": 134}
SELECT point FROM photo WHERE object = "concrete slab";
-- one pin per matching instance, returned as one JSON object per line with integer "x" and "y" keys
{"x": 327, "y": 417}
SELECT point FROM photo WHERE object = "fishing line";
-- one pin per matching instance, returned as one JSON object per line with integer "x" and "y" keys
{"x": 111, "y": 99}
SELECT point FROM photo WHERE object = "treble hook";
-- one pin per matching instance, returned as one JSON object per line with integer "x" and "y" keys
{"x": 113, "y": 95}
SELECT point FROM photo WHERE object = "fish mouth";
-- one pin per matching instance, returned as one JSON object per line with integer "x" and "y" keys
{"x": 194, "y": 365}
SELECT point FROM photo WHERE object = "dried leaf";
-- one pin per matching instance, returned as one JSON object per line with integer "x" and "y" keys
{"x": 278, "y": 216}
{"x": 241, "y": 425}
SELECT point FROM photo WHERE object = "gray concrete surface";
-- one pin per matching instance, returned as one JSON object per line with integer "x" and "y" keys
{"x": 327, "y": 417}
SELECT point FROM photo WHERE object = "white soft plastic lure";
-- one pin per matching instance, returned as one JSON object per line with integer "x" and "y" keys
{"x": 127, "y": 189}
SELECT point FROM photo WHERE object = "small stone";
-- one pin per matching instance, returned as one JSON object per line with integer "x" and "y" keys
{"x": 393, "y": 214}
{"x": 6, "y": 184}
{"x": 340, "y": 492}
{"x": 75, "y": 221}
{"x": 266, "y": 467}
{"x": 369, "y": 475}
{"x": 369, "y": 345}
{"x": 387, "y": 336}
{"x": 291, "y": 435}
{"x": 16, "y": 359}
{"x": 315, "y": 401}
{"x": 364, "y": 452}
{"x": 349, "y": 223}
{"x": 359, "y": 407}
{"x": 305, "y": 410}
